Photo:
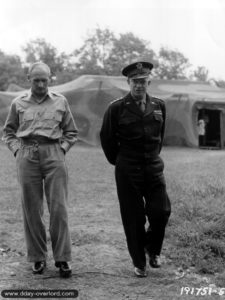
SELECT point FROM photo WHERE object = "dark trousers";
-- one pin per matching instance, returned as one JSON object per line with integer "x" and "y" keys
{"x": 201, "y": 140}
{"x": 142, "y": 193}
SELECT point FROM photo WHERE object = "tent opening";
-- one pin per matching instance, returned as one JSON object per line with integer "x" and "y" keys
{"x": 209, "y": 128}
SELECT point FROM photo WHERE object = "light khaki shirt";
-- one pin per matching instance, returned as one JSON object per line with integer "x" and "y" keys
{"x": 49, "y": 118}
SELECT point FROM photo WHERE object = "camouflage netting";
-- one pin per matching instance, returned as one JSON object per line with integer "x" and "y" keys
{"x": 89, "y": 96}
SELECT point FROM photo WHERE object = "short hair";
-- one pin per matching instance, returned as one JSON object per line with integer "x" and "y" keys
{"x": 37, "y": 64}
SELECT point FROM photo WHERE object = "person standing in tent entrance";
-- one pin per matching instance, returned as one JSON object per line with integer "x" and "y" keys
{"x": 39, "y": 130}
{"x": 201, "y": 132}
{"x": 131, "y": 137}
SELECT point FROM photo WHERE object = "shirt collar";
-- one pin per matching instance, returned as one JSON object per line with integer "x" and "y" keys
{"x": 138, "y": 101}
{"x": 30, "y": 95}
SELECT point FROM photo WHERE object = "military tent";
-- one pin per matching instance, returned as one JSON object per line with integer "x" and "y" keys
{"x": 187, "y": 103}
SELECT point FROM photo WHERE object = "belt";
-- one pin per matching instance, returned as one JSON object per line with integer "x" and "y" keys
{"x": 38, "y": 140}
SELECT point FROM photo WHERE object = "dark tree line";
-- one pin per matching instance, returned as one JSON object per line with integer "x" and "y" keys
{"x": 101, "y": 53}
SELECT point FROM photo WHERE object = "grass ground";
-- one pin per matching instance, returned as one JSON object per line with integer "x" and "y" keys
{"x": 194, "y": 248}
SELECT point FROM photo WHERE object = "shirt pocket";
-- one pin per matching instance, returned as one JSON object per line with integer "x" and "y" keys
{"x": 158, "y": 117}
{"x": 26, "y": 120}
{"x": 27, "y": 117}
{"x": 51, "y": 119}
{"x": 55, "y": 116}
{"x": 157, "y": 125}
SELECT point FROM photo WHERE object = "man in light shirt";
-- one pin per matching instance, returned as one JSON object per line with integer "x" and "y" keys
{"x": 39, "y": 130}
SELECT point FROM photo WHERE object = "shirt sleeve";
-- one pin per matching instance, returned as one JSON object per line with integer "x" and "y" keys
{"x": 10, "y": 128}
{"x": 108, "y": 136}
{"x": 69, "y": 129}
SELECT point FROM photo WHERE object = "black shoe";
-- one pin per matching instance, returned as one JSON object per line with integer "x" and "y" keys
{"x": 65, "y": 270}
{"x": 154, "y": 261}
{"x": 38, "y": 267}
{"x": 140, "y": 272}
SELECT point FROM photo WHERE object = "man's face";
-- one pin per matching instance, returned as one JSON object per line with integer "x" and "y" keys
{"x": 39, "y": 78}
{"x": 138, "y": 87}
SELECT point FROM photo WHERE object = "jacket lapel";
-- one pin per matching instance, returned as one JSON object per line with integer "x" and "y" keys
{"x": 150, "y": 105}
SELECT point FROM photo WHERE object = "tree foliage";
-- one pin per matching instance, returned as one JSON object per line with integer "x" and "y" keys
{"x": 11, "y": 70}
{"x": 171, "y": 64}
{"x": 220, "y": 83}
{"x": 40, "y": 50}
{"x": 127, "y": 49}
{"x": 103, "y": 53}
{"x": 201, "y": 73}
{"x": 92, "y": 57}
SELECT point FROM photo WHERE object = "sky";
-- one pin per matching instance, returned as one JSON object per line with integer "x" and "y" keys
{"x": 196, "y": 28}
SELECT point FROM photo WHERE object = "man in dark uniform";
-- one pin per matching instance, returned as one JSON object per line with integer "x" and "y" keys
{"x": 131, "y": 137}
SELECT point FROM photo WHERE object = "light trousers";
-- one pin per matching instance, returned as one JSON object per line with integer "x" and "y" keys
{"x": 42, "y": 170}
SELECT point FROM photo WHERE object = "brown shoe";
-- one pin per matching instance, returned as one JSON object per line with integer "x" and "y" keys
{"x": 65, "y": 270}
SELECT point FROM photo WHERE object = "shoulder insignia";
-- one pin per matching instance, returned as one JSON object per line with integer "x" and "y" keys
{"x": 23, "y": 96}
{"x": 116, "y": 100}
{"x": 159, "y": 100}
{"x": 55, "y": 94}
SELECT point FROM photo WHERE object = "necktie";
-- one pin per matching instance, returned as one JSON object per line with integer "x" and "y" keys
{"x": 141, "y": 105}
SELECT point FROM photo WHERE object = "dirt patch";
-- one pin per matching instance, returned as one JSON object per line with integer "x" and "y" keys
{"x": 104, "y": 273}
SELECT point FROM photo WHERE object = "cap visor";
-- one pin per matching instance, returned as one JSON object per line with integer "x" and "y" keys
{"x": 139, "y": 76}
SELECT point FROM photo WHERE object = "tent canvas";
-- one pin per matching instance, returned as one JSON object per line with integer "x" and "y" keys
{"x": 186, "y": 103}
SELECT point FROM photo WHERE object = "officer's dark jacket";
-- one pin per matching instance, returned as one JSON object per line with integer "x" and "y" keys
{"x": 128, "y": 132}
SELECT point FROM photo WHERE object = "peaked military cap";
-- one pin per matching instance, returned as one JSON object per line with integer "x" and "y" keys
{"x": 139, "y": 69}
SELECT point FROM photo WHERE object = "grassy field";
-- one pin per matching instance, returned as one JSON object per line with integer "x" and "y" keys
{"x": 194, "y": 249}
